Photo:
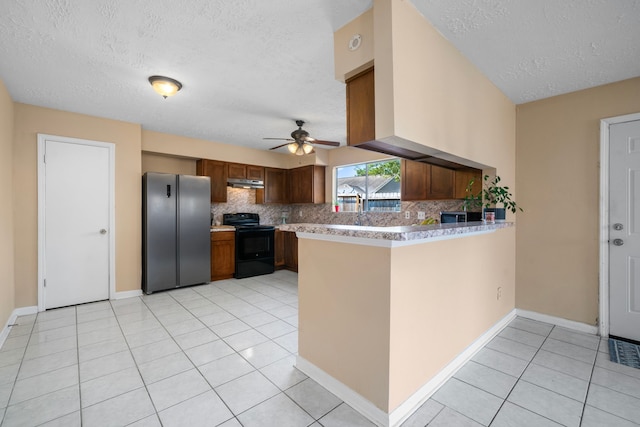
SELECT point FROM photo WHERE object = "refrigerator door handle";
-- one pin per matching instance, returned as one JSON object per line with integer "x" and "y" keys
{"x": 168, "y": 191}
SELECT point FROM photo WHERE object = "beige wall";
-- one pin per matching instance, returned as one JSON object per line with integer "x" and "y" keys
{"x": 344, "y": 314}
{"x": 443, "y": 297}
{"x": 152, "y": 162}
{"x": 398, "y": 324}
{"x": 31, "y": 120}
{"x": 428, "y": 93}
{"x": 182, "y": 146}
{"x": 558, "y": 181}
{"x": 7, "y": 282}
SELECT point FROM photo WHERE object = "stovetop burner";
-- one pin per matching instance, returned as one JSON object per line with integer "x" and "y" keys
{"x": 245, "y": 221}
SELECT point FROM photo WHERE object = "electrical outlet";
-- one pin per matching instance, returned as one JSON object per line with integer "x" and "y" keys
{"x": 421, "y": 215}
{"x": 300, "y": 213}
{"x": 499, "y": 292}
{"x": 407, "y": 215}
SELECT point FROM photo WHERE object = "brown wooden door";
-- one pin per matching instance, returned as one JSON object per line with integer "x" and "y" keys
{"x": 223, "y": 254}
{"x": 236, "y": 170}
{"x": 462, "y": 179}
{"x": 440, "y": 183}
{"x": 217, "y": 171}
{"x": 275, "y": 187}
{"x": 415, "y": 176}
{"x": 306, "y": 184}
{"x": 255, "y": 172}
{"x": 279, "y": 249}
{"x": 291, "y": 250}
{"x": 361, "y": 113}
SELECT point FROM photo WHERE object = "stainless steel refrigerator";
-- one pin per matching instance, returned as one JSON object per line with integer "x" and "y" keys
{"x": 176, "y": 220}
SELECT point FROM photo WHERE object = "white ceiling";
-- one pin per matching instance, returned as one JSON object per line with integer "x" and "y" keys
{"x": 250, "y": 67}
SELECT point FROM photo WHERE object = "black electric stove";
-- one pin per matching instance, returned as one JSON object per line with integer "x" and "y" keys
{"x": 254, "y": 244}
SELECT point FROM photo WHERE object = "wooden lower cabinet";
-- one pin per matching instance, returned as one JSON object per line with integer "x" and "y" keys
{"x": 286, "y": 250}
{"x": 223, "y": 255}
{"x": 291, "y": 251}
{"x": 279, "y": 249}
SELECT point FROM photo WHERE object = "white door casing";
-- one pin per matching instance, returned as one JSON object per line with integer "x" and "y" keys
{"x": 620, "y": 227}
{"x": 75, "y": 221}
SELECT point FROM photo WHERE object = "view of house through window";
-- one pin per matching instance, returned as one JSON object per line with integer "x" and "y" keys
{"x": 375, "y": 187}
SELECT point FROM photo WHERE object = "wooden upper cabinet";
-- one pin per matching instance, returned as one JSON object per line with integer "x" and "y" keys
{"x": 236, "y": 170}
{"x": 462, "y": 179}
{"x": 306, "y": 184}
{"x": 440, "y": 183}
{"x": 422, "y": 181}
{"x": 240, "y": 171}
{"x": 275, "y": 187}
{"x": 217, "y": 171}
{"x": 255, "y": 172}
{"x": 361, "y": 112}
{"x": 414, "y": 180}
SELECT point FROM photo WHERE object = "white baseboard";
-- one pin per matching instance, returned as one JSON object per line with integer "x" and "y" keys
{"x": 22, "y": 311}
{"x": 128, "y": 294}
{"x": 409, "y": 406}
{"x": 350, "y": 397}
{"x": 558, "y": 321}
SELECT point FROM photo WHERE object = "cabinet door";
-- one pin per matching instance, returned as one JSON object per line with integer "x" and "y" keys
{"x": 217, "y": 171}
{"x": 279, "y": 249}
{"x": 223, "y": 255}
{"x": 236, "y": 170}
{"x": 275, "y": 187}
{"x": 462, "y": 179}
{"x": 415, "y": 176}
{"x": 306, "y": 184}
{"x": 291, "y": 250}
{"x": 361, "y": 113}
{"x": 440, "y": 183}
{"x": 255, "y": 172}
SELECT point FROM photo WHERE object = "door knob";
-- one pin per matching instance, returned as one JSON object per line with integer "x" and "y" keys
{"x": 618, "y": 242}
{"x": 618, "y": 226}
{"x": 103, "y": 231}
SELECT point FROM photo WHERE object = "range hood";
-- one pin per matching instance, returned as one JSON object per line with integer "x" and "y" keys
{"x": 244, "y": 183}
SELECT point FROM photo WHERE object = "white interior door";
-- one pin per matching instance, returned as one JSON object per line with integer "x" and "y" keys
{"x": 76, "y": 197}
{"x": 624, "y": 230}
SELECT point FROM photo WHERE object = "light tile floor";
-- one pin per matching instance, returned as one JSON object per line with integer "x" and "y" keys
{"x": 223, "y": 354}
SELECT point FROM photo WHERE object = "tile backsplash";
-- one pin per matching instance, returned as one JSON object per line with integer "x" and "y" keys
{"x": 244, "y": 200}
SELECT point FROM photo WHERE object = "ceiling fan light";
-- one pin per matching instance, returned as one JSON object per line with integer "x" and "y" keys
{"x": 165, "y": 86}
{"x": 293, "y": 147}
{"x": 300, "y": 150}
{"x": 307, "y": 148}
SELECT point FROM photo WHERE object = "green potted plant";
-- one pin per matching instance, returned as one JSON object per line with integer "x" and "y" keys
{"x": 490, "y": 197}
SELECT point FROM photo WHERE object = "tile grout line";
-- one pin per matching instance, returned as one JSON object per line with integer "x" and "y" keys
{"x": 15, "y": 380}
{"x": 520, "y": 379}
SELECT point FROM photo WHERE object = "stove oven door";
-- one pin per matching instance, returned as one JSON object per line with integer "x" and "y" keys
{"x": 254, "y": 252}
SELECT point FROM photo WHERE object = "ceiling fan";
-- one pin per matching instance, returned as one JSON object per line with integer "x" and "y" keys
{"x": 300, "y": 142}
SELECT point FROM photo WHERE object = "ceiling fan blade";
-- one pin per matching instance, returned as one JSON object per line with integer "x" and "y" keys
{"x": 280, "y": 139}
{"x": 321, "y": 142}
{"x": 279, "y": 146}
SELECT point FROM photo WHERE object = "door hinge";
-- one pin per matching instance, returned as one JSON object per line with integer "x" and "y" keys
{"x": 45, "y": 283}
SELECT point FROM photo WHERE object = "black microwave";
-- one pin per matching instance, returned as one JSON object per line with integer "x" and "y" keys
{"x": 459, "y": 216}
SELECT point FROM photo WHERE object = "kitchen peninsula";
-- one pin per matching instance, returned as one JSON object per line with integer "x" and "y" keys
{"x": 384, "y": 310}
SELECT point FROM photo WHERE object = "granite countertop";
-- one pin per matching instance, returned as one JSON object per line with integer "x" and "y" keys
{"x": 215, "y": 228}
{"x": 398, "y": 233}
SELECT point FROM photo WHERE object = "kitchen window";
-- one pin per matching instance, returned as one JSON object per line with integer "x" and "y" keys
{"x": 376, "y": 185}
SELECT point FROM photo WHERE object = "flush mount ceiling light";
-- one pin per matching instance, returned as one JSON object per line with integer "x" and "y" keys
{"x": 299, "y": 148}
{"x": 165, "y": 86}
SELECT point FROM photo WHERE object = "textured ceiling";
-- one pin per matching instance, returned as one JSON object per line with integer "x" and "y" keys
{"x": 533, "y": 49}
{"x": 250, "y": 67}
